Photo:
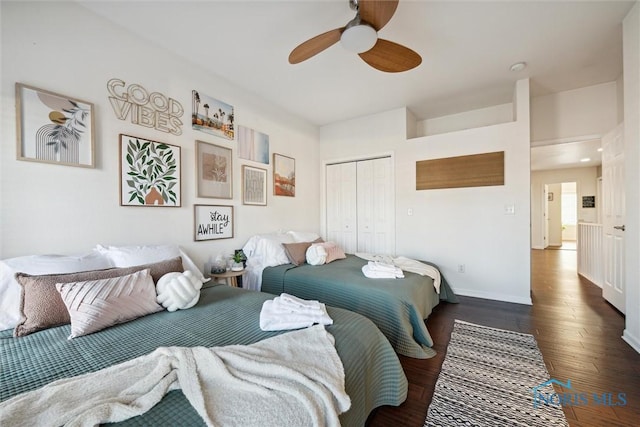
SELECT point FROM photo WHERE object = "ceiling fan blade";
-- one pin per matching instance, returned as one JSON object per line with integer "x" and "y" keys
{"x": 314, "y": 46}
{"x": 391, "y": 57}
{"x": 377, "y": 12}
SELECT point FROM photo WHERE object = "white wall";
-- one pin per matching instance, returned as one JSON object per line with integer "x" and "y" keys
{"x": 575, "y": 113}
{"x": 488, "y": 116}
{"x": 47, "y": 208}
{"x": 631, "y": 54}
{"x": 454, "y": 226}
{"x": 586, "y": 181}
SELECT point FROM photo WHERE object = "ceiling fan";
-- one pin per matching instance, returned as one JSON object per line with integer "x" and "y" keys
{"x": 360, "y": 35}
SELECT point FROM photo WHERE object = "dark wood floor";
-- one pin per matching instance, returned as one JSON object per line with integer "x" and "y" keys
{"x": 577, "y": 331}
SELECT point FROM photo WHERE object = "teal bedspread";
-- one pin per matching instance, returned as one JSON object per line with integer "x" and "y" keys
{"x": 223, "y": 316}
{"x": 397, "y": 306}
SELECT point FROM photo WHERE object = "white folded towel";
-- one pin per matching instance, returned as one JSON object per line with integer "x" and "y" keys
{"x": 373, "y": 273}
{"x": 296, "y": 302}
{"x": 278, "y": 317}
{"x": 381, "y": 270}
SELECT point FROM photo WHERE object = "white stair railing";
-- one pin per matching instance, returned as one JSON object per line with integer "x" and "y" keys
{"x": 590, "y": 254}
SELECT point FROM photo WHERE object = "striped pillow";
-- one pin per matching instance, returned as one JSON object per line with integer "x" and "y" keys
{"x": 97, "y": 304}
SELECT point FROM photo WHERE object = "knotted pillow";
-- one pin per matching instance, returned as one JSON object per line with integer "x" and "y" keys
{"x": 316, "y": 255}
{"x": 178, "y": 291}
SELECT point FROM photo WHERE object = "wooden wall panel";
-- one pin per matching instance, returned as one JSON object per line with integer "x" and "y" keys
{"x": 476, "y": 170}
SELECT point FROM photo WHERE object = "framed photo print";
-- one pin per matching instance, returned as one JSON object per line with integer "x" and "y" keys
{"x": 253, "y": 145}
{"x": 254, "y": 186}
{"x": 54, "y": 128}
{"x": 284, "y": 175}
{"x": 149, "y": 173}
{"x": 215, "y": 171}
{"x": 212, "y": 116}
{"x": 212, "y": 222}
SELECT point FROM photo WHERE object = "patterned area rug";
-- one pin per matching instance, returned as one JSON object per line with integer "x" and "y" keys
{"x": 489, "y": 378}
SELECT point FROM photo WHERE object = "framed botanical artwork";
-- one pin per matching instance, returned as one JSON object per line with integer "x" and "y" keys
{"x": 211, "y": 115}
{"x": 215, "y": 171}
{"x": 212, "y": 222}
{"x": 54, "y": 128}
{"x": 284, "y": 175}
{"x": 253, "y": 145}
{"x": 149, "y": 173}
{"x": 254, "y": 186}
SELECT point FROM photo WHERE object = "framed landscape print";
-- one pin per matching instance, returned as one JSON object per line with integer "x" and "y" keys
{"x": 253, "y": 145}
{"x": 54, "y": 128}
{"x": 215, "y": 171}
{"x": 254, "y": 186}
{"x": 284, "y": 175}
{"x": 149, "y": 173}
{"x": 212, "y": 116}
{"x": 212, "y": 222}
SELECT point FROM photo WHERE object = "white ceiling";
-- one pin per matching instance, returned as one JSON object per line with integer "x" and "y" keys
{"x": 467, "y": 48}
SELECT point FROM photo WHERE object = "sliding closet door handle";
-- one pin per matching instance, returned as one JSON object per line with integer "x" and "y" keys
{"x": 619, "y": 227}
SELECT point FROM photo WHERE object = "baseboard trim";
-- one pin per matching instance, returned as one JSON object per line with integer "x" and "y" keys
{"x": 634, "y": 342}
{"x": 494, "y": 296}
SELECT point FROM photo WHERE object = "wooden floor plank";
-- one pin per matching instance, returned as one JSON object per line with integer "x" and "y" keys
{"x": 578, "y": 332}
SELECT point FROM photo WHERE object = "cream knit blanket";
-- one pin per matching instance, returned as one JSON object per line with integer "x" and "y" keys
{"x": 292, "y": 379}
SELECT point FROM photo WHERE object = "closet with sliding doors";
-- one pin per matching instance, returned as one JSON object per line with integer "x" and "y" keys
{"x": 360, "y": 215}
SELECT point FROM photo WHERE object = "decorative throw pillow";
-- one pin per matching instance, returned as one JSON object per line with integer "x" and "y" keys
{"x": 316, "y": 255}
{"x": 97, "y": 304}
{"x": 334, "y": 252}
{"x": 178, "y": 291}
{"x": 10, "y": 290}
{"x": 41, "y": 306}
{"x": 296, "y": 252}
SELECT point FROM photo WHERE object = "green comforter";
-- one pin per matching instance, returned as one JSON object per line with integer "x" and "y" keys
{"x": 397, "y": 306}
{"x": 223, "y": 316}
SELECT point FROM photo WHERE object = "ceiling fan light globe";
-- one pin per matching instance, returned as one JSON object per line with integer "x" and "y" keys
{"x": 359, "y": 38}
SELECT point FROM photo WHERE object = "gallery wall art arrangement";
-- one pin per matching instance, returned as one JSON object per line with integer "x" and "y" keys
{"x": 59, "y": 129}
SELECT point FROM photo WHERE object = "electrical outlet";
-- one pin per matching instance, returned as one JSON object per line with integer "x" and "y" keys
{"x": 461, "y": 268}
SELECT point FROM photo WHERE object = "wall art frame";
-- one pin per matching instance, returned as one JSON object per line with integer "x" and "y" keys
{"x": 284, "y": 175}
{"x": 54, "y": 128}
{"x": 254, "y": 186}
{"x": 253, "y": 145}
{"x": 150, "y": 173}
{"x": 214, "y": 168}
{"x": 212, "y": 222}
{"x": 219, "y": 122}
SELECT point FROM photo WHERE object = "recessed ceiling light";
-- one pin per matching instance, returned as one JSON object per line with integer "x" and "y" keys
{"x": 599, "y": 150}
{"x": 586, "y": 159}
{"x": 518, "y": 66}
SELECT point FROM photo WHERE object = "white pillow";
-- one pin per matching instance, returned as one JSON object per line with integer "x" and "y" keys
{"x": 129, "y": 256}
{"x": 97, "y": 304}
{"x": 303, "y": 236}
{"x": 266, "y": 250}
{"x": 10, "y": 290}
{"x": 178, "y": 291}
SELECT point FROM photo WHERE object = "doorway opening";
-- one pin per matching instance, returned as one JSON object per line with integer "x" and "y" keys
{"x": 562, "y": 215}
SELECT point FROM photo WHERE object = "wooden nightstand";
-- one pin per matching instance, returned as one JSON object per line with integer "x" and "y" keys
{"x": 231, "y": 277}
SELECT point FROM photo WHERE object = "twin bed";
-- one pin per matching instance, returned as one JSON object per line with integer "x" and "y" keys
{"x": 398, "y": 307}
{"x": 223, "y": 316}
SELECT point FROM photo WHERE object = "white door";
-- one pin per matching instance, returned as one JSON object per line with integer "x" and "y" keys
{"x": 375, "y": 206}
{"x": 613, "y": 206}
{"x": 341, "y": 205}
